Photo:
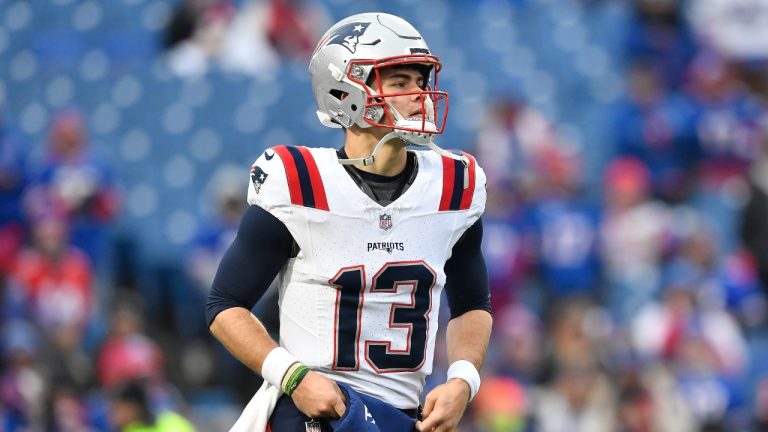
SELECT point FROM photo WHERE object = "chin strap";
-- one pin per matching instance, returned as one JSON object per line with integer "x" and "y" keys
{"x": 367, "y": 161}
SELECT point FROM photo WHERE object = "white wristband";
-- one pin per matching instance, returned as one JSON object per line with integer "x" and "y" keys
{"x": 275, "y": 365}
{"x": 465, "y": 370}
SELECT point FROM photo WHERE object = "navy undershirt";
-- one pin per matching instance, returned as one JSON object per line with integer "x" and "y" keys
{"x": 380, "y": 188}
{"x": 263, "y": 245}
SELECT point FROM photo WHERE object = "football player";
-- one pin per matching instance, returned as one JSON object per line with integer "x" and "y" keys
{"x": 363, "y": 240}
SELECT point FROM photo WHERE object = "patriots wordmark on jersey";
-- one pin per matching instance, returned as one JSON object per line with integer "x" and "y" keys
{"x": 360, "y": 301}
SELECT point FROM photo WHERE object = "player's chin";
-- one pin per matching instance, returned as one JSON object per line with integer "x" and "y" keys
{"x": 382, "y": 131}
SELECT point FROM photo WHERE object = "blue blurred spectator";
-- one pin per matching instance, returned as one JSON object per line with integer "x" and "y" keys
{"x": 74, "y": 181}
{"x": 727, "y": 119}
{"x": 507, "y": 254}
{"x": 656, "y": 125}
{"x": 659, "y": 33}
{"x": 743, "y": 292}
{"x": 226, "y": 197}
{"x": 564, "y": 228}
{"x": 14, "y": 178}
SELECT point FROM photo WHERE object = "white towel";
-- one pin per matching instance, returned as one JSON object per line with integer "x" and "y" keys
{"x": 256, "y": 414}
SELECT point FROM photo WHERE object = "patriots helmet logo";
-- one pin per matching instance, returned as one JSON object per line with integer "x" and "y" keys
{"x": 258, "y": 176}
{"x": 348, "y": 35}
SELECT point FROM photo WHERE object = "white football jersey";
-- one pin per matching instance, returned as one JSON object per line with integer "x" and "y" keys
{"x": 360, "y": 301}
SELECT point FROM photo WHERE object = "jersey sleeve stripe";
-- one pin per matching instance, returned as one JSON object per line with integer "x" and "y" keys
{"x": 291, "y": 174}
{"x": 448, "y": 181}
{"x": 304, "y": 181}
{"x": 458, "y": 184}
{"x": 455, "y": 196}
{"x": 466, "y": 199}
{"x": 318, "y": 190}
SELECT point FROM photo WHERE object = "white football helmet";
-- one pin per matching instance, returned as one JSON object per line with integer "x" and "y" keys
{"x": 349, "y": 57}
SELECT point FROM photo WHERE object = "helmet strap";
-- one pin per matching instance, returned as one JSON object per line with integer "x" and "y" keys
{"x": 367, "y": 161}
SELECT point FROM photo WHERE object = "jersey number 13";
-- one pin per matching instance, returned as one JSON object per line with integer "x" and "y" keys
{"x": 412, "y": 316}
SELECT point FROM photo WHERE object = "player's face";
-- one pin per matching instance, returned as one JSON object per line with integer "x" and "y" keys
{"x": 402, "y": 80}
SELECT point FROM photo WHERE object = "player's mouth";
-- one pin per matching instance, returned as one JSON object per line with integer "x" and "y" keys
{"x": 416, "y": 115}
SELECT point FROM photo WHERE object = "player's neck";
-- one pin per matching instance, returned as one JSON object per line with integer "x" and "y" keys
{"x": 390, "y": 159}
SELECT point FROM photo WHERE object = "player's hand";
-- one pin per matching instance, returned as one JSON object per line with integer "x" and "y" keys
{"x": 444, "y": 407}
{"x": 317, "y": 396}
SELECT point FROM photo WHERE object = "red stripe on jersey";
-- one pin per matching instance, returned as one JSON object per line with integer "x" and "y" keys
{"x": 318, "y": 190}
{"x": 294, "y": 187}
{"x": 448, "y": 180}
{"x": 469, "y": 192}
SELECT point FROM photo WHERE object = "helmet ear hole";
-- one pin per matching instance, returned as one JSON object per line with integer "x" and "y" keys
{"x": 338, "y": 94}
{"x": 354, "y": 107}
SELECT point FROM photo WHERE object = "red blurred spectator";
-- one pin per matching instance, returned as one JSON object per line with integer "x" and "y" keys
{"x": 287, "y": 29}
{"x": 54, "y": 277}
{"x": 633, "y": 237}
{"x": 128, "y": 353}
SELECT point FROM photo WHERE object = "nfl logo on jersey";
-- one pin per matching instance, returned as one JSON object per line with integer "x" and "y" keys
{"x": 385, "y": 221}
{"x": 313, "y": 426}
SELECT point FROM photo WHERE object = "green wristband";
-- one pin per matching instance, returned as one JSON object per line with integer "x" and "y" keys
{"x": 295, "y": 379}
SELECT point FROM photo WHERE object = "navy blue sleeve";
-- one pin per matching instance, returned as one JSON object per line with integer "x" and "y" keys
{"x": 466, "y": 285}
{"x": 262, "y": 246}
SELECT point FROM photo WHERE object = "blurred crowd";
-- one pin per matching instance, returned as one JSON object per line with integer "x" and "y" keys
{"x": 254, "y": 39}
{"x": 636, "y": 304}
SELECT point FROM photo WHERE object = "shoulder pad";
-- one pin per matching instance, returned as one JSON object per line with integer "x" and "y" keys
{"x": 291, "y": 177}
{"x": 463, "y": 186}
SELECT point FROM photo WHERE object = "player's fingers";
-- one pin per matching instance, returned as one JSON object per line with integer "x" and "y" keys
{"x": 429, "y": 405}
{"x": 430, "y": 423}
{"x": 339, "y": 407}
{"x": 420, "y": 427}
